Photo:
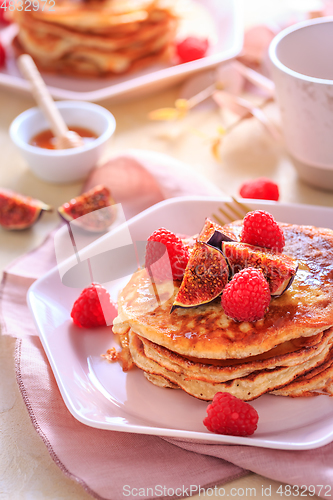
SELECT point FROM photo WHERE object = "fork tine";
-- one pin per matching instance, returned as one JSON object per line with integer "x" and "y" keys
{"x": 235, "y": 214}
{"x": 218, "y": 220}
{"x": 237, "y": 210}
{"x": 229, "y": 217}
{"x": 245, "y": 208}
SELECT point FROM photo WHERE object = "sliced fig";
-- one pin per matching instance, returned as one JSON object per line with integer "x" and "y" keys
{"x": 18, "y": 211}
{"x": 279, "y": 269}
{"x": 89, "y": 204}
{"x": 205, "y": 277}
{"x": 213, "y": 234}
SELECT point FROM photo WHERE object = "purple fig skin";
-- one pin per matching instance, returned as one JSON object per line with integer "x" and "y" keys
{"x": 217, "y": 238}
{"x": 214, "y": 234}
{"x": 65, "y": 217}
{"x": 288, "y": 284}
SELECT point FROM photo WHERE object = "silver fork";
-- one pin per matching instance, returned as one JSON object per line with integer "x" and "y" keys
{"x": 232, "y": 210}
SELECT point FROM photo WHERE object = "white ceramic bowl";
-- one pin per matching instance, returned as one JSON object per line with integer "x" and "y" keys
{"x": 63, "y": 165}
{"x": 301, "y": 57}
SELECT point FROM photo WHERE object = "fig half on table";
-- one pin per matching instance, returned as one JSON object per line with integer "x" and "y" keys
{"x": 18, "y": 211}
{"x": 91, "y": 209}
{"x": 205, "y": 277}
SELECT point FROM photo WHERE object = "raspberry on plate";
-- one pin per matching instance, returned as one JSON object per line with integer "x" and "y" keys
{"x": 229, "y": 415}
{"x": 260, "y": 189}
{"x": 93, "y": 307}
{"x": 191, "y": 48}
{"x": 166, "y": 252}
{"x": 246, "y": 297}
{"x": 261, "y": 229}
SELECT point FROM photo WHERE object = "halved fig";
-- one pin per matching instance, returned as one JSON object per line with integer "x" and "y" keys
{"x": 89, "y": 204}
{"x": 213, "y": 234}
{"x": 18, "y": 211}
{"x": 278, "y": 269}
{"x": 205, "y": 277}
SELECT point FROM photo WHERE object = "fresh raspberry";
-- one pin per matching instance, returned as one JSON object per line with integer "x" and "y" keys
{"x": 246, "y": 297}
{"x": 229, "y": 415}
{"x": 191, "y": 48}
{"x": 2, "y": 56}
{"x": 260, "y": 189}
{"x": 261, "y": 229}
{"x": 92, "y": 306}
{"x": 158, "y": 262}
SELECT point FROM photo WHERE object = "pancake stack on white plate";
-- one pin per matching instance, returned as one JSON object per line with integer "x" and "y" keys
{"x": 200, "y": 350}
{"x": 97, "y": 37}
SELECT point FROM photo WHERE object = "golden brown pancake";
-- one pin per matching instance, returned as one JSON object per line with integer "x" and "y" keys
{"x": 289, "y": 353}
{"x": 246, "y": 388}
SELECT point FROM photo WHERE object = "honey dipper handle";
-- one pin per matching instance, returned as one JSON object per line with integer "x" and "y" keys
{"x": 42, "y": 95}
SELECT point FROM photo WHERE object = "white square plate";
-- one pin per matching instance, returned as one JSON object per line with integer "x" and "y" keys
{"x": 101, "y": 395}
{"x": 229, "y": 34}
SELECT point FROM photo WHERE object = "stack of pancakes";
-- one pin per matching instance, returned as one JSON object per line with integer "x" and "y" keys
{"x": 97, "y": 37}
{"x": 202, "y": 351}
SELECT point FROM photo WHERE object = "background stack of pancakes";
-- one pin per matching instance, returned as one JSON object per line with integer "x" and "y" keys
{"x": 97, "y": 38}
{"x": 202, "y": 351}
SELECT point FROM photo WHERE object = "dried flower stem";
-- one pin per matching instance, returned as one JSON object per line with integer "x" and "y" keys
{"x": 204, "y": 94}
{"x": 248, "y": 115}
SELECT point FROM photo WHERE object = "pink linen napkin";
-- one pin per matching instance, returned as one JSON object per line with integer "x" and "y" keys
{"x": 108, "y": 463}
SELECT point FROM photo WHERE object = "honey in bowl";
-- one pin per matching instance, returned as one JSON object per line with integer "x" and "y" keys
{"x": 46, "y": 139}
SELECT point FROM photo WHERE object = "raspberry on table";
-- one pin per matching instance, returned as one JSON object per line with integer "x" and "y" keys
{"x": 260, "y": 189}
{"x": 90, "y": 308}
{"x": 261, "y": 229}
{"x": 164, "y": 250}
{"x": 247, "y": 296}
{"x": 229, "y": 415}
{"x": 191, "y": 48}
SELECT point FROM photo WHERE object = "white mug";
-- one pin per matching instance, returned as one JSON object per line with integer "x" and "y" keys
{"x": 302, "y": 66}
